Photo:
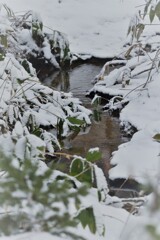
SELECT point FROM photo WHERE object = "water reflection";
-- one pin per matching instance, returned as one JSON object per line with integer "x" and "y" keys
{"x": 104, "y": 134}
{"x": 62, "y": 81}
{"x": 77, "y": 80}
{"x": 59, "y": 80}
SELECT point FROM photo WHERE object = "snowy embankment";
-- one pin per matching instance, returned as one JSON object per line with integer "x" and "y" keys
{"x": 137, "y": 84}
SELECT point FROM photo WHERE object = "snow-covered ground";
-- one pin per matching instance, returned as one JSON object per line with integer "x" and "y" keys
{"x": 138, "y": 159}
{"x": 99, "y": 28}
{"x": 93, "y": 27}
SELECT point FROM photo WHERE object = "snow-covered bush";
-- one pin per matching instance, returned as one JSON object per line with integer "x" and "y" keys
{"x": 139, "y": 65}
{"x": 84, "y": 170}
{"x": 138, "y": 104}
{"x": 25, "y": 37}
{"x": 34, "y": 197}
{"x": 23, "y": 97}
{"x": 138, "y": 25}
{"x": 37, "y": 198}
{"x": 36, "y": 106}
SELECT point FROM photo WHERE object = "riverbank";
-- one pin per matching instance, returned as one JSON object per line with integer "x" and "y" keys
{"x": 133, "y": 91}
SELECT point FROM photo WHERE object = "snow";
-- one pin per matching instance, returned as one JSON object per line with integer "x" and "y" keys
{"x": 101, "y": 183}
{"x": 32, "y": 236}
{"x": 137, "y": 159}
{"x": 93, "y": 27}
{"x": 96, "y": 28}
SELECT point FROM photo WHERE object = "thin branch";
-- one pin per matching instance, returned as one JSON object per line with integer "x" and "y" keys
{"x": 134, "y": 89}
{"x": 68, "y": 156}
{"x": 153, "y": 62}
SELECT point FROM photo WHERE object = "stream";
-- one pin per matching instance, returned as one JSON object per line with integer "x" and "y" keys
{"x": 105, "y": 134}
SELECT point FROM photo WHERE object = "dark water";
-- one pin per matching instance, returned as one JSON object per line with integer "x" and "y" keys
{"x": 104, "y": 134}
{"x": 76, "y": 80}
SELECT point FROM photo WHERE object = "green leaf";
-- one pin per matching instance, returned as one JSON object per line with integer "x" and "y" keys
{"x": 127, "y": 82}
{"x": 19, "y": 81}
{"x": 75, "y": 121}
{"x": 103, "y": 230}
{"x": 157, "y": 137}
{"x": 41, "y": 26}
{"x": 83, "y": 217}
{"x": 87, "y": 218}
{"x": 66, "y": 179}
{"x": 129, "y": 30}
{"x": 97, "y": 115}
{"x": 41, "y": 148}
{"x": 94, "y": 155}
{"x": 25, "y": 64}
{"x": 37, "y": 131}
{"x": 99, "y": 195}
{"x": 87, "y": 175}
{"x": 146, "y": 8}
{"x": 60, "y": 123}
{"x": 1, "y": 57}
{"x": 152, "y": 230}
{"x": 83, "y": 171}
{"x": 96, "y": 101}
{"x": 10, "y": 13}
{"x": 3, "y": 40}
{"x": 152, "y": 13}
{"x": 140, "y": 29}
{"x": 76, "y": 167}
{"x": 157, "y": 10}
{"x": 2, "y": 54}
{"x": 134, "y": 30}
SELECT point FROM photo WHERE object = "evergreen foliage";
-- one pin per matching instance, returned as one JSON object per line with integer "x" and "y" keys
{"x": 33, "y": 198}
